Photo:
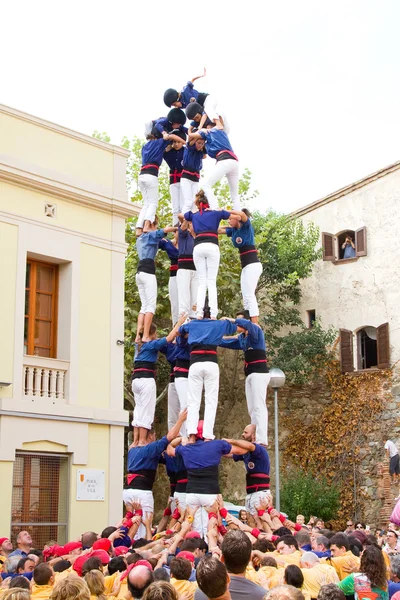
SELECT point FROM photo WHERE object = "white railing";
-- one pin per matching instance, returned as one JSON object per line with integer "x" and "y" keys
{"x": 44, "y": 377}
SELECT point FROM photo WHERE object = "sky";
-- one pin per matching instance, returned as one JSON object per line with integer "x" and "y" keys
{"x": 311, "y": 87}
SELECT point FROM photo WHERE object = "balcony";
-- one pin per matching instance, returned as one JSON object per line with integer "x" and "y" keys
{"x": 44, "y": 377}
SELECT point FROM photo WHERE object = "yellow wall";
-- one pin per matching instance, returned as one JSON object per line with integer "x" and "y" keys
{"x": 29, "y": 204}
{"x": 94, "y": 327}
{"x": 6, "y": 477}
{"x": 8, "y": 272}
{"x": 56, "y": 151}
{"x": 86, "y": 515}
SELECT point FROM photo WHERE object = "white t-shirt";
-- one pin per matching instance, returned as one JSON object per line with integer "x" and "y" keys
{"x": 392, "y": 448}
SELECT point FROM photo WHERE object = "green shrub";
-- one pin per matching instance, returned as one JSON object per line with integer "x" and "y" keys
{"x": 306, "y": 494}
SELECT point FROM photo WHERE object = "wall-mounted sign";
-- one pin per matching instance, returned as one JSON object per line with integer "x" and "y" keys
{"x": 90, "y": 485}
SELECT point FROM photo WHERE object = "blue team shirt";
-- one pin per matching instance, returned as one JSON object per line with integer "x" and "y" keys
{"x": 170, "y": 351}
{"x": 169, "y": 248}
{"x": 153, "y": 152}
{"x": 254, "y": 340}
{"x": 183, "y": 352}
{"x": 185, "y": 242}
{"x": 174, "y": 158}
{"x": 188, "y": 92}
{"x": 163, "y": 124}
{"x": 216, "y": 141}
{"x": 203, "y": 454}
{"x": 208, "y": 221}
{"x": 255, "y": 462}
{"x": 207, "y": 331}
{"x": 146, "y": 457}
{"x": 173, "y": 464}
{"x": 243, "y": 236}
{"x": 192, "y": 158}
{"x": 149, "y": 350}
{"x": 147, "y": 244}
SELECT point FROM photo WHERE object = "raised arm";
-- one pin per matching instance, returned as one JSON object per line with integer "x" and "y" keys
{"x": 172, "y": 137}
{"x": 174, "y": 332}
{"x": 199, "y": 76}
{"x": 174, "y": 431}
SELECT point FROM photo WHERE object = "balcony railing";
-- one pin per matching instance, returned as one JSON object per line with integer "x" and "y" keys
{"x": 44, "y": 377}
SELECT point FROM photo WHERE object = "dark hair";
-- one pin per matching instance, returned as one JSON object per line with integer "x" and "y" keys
{"x": 236, "y": 550}
{"x": 211, "y": 576}
{"x": 247, "y": 212}
{"x": 91, "y": 564}
{"x": 20, "y": 582}
{"x": 132, "y": 558}
{"x": 201, "y": 198}
{"x": 61, "y": 565}
{"x": 264, "y": 546}
{"x": 42, "y": 574}
{"x": 303, "y": 538}
{"x": 116, "y": 564}
{"x": 108, "y": 531}
{"x": 281, "y": 531}
{"x": 392, "y": 531}
{"x": 88, "y": 539}
{"x": 142, "y": 541}
{"x": 135, "y": 590}
{"x": 245, "y": 313}
{"x": 180, "y": 568}
{"x": 359, "y": 523}
{"x": 294, "y": 576}
{"x": 21, "y": 563}
{"x": 340, "y": 540}
{"x": 289, "y": 540}
{"x": 35, "y": 552}
{"x": 355, "y": 545}
{"x": 370, "y": 540}
{"x": 161, "y": 574}
{"x": 160, "y": 590}
{"x": 190, "y": 545}
{"x": 268, "y": 561}
{"x": 330, "y": 592}
{"x": 202, "y": 544}
{"x": 373, "y": 565}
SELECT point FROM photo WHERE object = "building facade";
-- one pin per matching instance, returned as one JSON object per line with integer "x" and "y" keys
{"x": 63, "y": 206}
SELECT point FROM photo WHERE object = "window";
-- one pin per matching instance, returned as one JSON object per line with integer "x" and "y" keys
{"x": 41, "y": 309}
{"x": 347, "y": 244}
{"x": 310, "y": 318}
{"x": 40, "y": 497}
{"x": 373, "y": 349}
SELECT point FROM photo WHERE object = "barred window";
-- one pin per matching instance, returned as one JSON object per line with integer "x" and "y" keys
{"x": 40, "y": 497}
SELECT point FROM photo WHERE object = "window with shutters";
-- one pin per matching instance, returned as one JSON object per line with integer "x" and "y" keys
{"x": 347, "y": 245}
{"x": 367, "y": 347}
{"x": 373, "y": 349}
{"x": 41, "y": 309}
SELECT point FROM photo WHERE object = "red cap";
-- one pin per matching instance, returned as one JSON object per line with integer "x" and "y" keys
{"x": 102, "y": 555}
{"x": 199, "y": 434}
{"x": 71, "y": 546}
{"x": 143, "y": 563}
{"x": 2, "y": 540}
{"x": 80, "y": 561}
{"x": 185, "y": 554}
{"x": 102, "y": 544}
{"x": 53, "y": 551}
{"x": 192, "y": 534}
{"x": 120, "y": 550}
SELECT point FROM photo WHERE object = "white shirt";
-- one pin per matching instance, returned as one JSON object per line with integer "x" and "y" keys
{"x": 392, "y": 448}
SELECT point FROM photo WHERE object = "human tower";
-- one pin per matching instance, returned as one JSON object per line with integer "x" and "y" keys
{"x": 191, "y": 346}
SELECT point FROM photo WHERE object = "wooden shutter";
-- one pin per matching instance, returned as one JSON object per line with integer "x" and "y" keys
{"x": 346, "y": 351}
{"x": 383, "y": 346}
{"x": 328, "y": 246}
{"x": 361, "y": 242}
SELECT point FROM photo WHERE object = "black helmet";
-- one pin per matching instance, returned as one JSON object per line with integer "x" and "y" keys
{"x": 193, "y": 109}
{"x": 180, "y": 134}
{"x": 170, "y": 96}
{"x": 176, "y": 115}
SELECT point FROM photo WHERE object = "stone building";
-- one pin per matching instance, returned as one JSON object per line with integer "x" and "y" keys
{"x": 63, "y": 206}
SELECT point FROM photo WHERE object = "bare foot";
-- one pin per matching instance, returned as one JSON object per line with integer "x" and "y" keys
{"x": 144, "y": 340}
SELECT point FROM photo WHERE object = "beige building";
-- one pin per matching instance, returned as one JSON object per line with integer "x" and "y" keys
{"x": 359, "y": 295}
{"x": 63, "y": 206}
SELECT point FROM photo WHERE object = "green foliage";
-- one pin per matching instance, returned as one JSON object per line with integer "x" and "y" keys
{"x": 103, "y": 136}
{"x": 302, "y": 493}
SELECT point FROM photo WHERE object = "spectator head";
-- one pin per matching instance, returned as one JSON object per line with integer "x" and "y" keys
{"x": 73, "y": 548}
{"x": 373, "y": 565}
{"x": 190, "y": 545}
{"x": 330, "y": 592}
{"x": 339, "y": 544}
{"x": 88, "y": 539}
{"x": 43, "y": 574}
{"x": 108, "y": 531}
{"x": 360, "y": 526}
{"x": 308, "y": 560}
{"x": 95, "y": 582}
{"x": 91, "y": 564}
{"x": 286, "y": 544}
{"x": 281, "y": 531}
{"x": 263, "y": 545}
{"x": 70, "y": 588}
{"x": 212, "y": 577}
{"x": 180, "y": 568}
{"x": 303, "y": 538}
{"x": 349, "y": 524}
{"x": 16, "y": 593}
{"x": 24, "y": 540}
{"x": 320, "y": 543}
{"x": 236, "y": 551}
{"x": 249, "y": 433}
{"x": 61, "y": 565}
{"x": 242, "y": 516}
{"x": 395, "y": 568}
{"x": 284, "y": 592}
{"x": 116, "y": 564}
{"x": 202, "y": 549}
{"x": 20, "y": 582}
{"x": 11, "y": 564}
{"x": 161, "y": 574}
{"x": 138, "y": 580}
{"x": 34, "y": 558}
{"x": 293, "y": 576}
{"x": 132, "y": 558}
{"x": 391, "y": 538}
{"x": 355, "y": 545}
{"x": 319, "y": 523}
{"x": 160, "y": 590}
{"x": 37, "y": 553}
{"x": 300, "y": 520}
{"x": 268, "y": 561}
{"x": 25, "y": 565}
{"x": 5, "y": 546}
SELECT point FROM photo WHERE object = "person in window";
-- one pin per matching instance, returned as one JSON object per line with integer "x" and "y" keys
{"x": 349, "y": 248}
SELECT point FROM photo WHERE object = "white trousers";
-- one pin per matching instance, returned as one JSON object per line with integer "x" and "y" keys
{"x": 147, "y": 287}
{"x": 189, "y": 190}
{"x": 214, "y": 111}
{"x": 202, "y": 374}
{"x": 144, "y": 391}
{"x": 228, "y": 168}
{"x": 173, "y": 298}
{"x": 148, "y": 185}
{"x": 181, "y": 387}
{"x": 175, "y": 191}
{"x": 146, "y": 500}
{"x": 256, "y": 396}
{"x": 206, "y": 257}
{"x": 248, "y": 283}
{"x": 181, "y": 497}
{"x": 173, "y": 405}
{"x": 252, "y": 500}
{"x": 187, "y": 284}
{"x": 200, "y": 523}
